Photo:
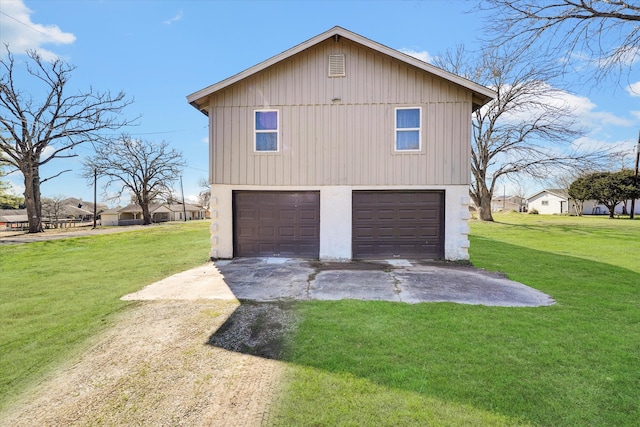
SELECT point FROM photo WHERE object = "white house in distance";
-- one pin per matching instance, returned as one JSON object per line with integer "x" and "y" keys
{"x": 557, "y": 201}
{"x": 549, "y": 201}
{"x": 340, "y": 148}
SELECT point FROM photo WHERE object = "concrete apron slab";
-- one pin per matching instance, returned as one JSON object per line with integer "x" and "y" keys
{"x": 264, "y": 279}
{"x": 204, "y": 282}
{"x": 363, "y": 285}
{"x": 465, "y": 286}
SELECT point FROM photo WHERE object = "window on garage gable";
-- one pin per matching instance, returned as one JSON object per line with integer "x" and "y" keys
{"x": 266, "y": 130}
{"x": 408, "y": 129}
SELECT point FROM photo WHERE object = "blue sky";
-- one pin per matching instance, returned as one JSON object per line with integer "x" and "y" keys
{"x": 158, "y": 52}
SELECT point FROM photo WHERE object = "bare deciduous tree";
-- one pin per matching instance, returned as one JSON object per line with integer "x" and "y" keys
{"x": 528, "y": 129}
{"x": 44, "y": 120}
{"x": 146, "y": 169}
{"x": 204, "y": 197}
{"x": 53, "y": 208}
{"x": 606, "y": 33}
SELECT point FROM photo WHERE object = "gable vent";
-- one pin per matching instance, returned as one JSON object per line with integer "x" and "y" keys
{"x": 336, "y": 65}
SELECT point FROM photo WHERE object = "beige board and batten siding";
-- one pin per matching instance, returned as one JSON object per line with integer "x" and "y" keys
{"x": 340, "y": 130}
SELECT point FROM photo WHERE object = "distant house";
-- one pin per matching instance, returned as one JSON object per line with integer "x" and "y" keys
{"x": 66, "y": 215}
{"x": 110, "y": 217}
{"x": 508, "y": 203}
{"x": 340, "y": 148}
{"x": 592, "y": 207}
{"x": 549, "y": 201}
{"x": 160, "y": 212}
{"x": 13, "y": 219}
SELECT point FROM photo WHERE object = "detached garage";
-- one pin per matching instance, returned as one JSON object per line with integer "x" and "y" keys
{"x": 340, "y": 148}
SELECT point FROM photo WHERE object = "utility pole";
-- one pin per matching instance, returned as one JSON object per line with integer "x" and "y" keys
{"x": 635, "y": 178}
{"x": 184, "y": 208}
{"x": 95, "y": 197}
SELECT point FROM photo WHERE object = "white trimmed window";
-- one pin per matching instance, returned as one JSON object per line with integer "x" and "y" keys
{"x": 266, "y": 130}
{"x": 408, "y": 129}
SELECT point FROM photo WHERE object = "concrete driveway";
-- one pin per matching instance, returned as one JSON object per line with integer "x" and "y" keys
{"x": 272, "y": 279}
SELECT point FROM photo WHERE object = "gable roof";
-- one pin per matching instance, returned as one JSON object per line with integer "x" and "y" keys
{"x": 481, "y": 94}
{"x": 558, "y": 192}
{"x": 112, "y": 211}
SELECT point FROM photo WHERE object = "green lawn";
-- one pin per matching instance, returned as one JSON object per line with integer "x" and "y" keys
{"x": 574, "y": 363}
{"x": 55, "y": 295}
{"x": 379, "y": 363}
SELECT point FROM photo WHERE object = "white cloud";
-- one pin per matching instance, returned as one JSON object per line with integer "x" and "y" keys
{"x": 48, "y": 151}
{"x": 582, "y": 107}
{"x": 174, "y": 19}
{"x": 633, "y": 89}
{"x": 636, "y": 114}
{"x": 21, "y": 34}
{"x": 421, "y": 55}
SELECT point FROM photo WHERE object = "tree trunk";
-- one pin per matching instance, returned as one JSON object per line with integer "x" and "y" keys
{"x": 484, "y": 208}
{"x": 32, "y": 198}
{"x": 624, "y": 208}
{"x": 146, "y": 215}
{"x": 612, "y": 209}
{"x": 578, "y": 207}
{"x": 482, "y": 198}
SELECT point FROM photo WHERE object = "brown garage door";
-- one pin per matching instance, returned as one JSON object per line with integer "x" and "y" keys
{"x": 276, "y": 224}
{"x": 408, "y": 224}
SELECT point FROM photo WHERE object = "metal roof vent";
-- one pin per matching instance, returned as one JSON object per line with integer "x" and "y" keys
{"x": 337, "y": 65}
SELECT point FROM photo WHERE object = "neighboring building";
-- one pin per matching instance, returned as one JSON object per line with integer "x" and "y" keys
{"x": 14, "y": 219}
{"x": 160, "y": 212}
{"x": 110, "y": 217}
{"x": 340, "y": 148}
{"x": 592, "y": 207}
{"x": 549, "y": 201}
{"x": 509, "y": 203}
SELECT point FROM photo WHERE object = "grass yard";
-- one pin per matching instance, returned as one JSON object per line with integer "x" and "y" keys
{"x": 576, "y": 363}
{"x": 380, "y": 363}
{"x": 55, "y": 295}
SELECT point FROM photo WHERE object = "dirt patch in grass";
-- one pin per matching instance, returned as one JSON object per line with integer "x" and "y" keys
{"x": 163, "y": 363}
{"x": 258, "y": 329}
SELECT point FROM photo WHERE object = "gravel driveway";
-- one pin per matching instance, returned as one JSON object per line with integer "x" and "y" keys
{"x": 160, "y": 364}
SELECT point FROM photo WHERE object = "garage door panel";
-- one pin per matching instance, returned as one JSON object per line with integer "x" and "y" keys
{"x": 287, "y": 248}
{"x": 398, "y": 224}
{"x": 307, "y": 214}
{"x": 246, "y": 214}
{"x": 273, "y": 223}
{"x": 286, "y": 214}
{"x": 266, "y": 215}
{"x": 311, "y": 232}
{"x": 288, "y": 231}
{"x": 246, "y": 233}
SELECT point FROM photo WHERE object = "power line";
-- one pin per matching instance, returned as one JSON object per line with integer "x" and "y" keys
{"x": 25, "y": 24}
